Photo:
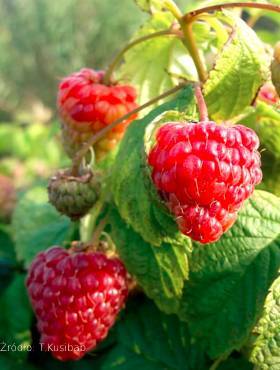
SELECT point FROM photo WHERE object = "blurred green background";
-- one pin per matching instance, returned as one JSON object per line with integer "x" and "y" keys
{"x": 40, "y": 42}
{"x": 43, "y": 40}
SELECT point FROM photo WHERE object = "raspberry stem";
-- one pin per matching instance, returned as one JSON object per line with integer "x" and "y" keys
{"x": 202, "y": 107}
{"x": 99, "y": 135}
{"x": 190, "y": 43}
{"x": 188, "y": 40}
{"x": 173, "y": 8}
{"x": 277, "y": 52}
{"x": 98, "y": 231}
{"x": 188, "y": 17}
{"x": 118, "y": 58}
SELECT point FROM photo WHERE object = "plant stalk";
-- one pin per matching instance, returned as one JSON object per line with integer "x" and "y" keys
{"x": 190, "y": 43}
{"x": 202, "y": 107}
{"x": 173, "y": 8}
{"x": 188, "y": 17}
{"x": 188, "y": 40}
{"x": 98, "y": 231}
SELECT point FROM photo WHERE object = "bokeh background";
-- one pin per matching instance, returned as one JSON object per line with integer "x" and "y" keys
{"x": 40, "y": 42}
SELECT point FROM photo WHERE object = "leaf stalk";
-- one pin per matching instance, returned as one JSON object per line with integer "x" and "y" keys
{"x": 188, "y": 17}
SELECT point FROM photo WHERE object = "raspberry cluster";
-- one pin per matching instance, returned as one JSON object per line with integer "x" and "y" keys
{"x": 76, "y": 297}
{"x": 204, "y": 172}
{"x": 86, "y": 105}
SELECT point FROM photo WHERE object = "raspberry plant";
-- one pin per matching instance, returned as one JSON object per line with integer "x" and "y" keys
{"x": 166, "y": 148}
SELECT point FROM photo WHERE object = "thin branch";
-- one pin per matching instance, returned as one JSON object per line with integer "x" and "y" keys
{"x": 191, "y": 45}
{"x": 202, "y": 107}
{"x": 188, "y": 17}
{"x": 173, "y": 8}
{"x": 119, "y": 56}
{"x": 98, "y": 231}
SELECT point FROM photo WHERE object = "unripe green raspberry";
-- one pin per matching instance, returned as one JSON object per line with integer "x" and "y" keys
{"x": 275, "y": 68}
{"x": 74, "y": 196}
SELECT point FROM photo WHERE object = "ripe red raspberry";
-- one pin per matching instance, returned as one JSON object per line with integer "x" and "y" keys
{"x": 76, "y": 297}
{"x": 86, "y": 105}
{"x": 205, "y": 171}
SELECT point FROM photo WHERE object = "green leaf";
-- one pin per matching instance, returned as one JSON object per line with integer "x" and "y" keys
{"x": 149, "y": 339}
{"x": 150, "y": 6}
{"x": 8, "y": 362}
{"x": 271, "y": 173}
{"x": 265, "y": 120}
{"x": 229, "y": 280}
{"x": 154, "y": 65}
{"x": 240, "y": 69}
{"x": 235, "y": 363}
{"x": 133, "y": 192}
{"x": 6, "y": 243}
{"x": 87, "y": 363}
{"x": 7, "y": 257}
{"x": 37, "y": 225}
{"x": 6, "y": 273}
{"x": 266, "y": 349}
{"x": 161, "y": 271}
{"x": 121, "y": 358}
{"x": 15, "y": 318}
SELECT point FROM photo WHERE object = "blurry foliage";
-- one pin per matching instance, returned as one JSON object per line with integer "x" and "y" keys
{"x": 30, "y": 152}
{"x": 43, "y": 40}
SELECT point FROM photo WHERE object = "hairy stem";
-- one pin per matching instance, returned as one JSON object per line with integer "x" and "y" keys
{"x": 119, "y": 56}
{"x": 202, "y": 108}
{"x": 88, "y": 223}
{"x": 252, "y": 20}
{"x": 188, "y": 17}
{"x": 99, "y": 135}
{"x": 189, "y": 41}
{"x": 98, "y": 231}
